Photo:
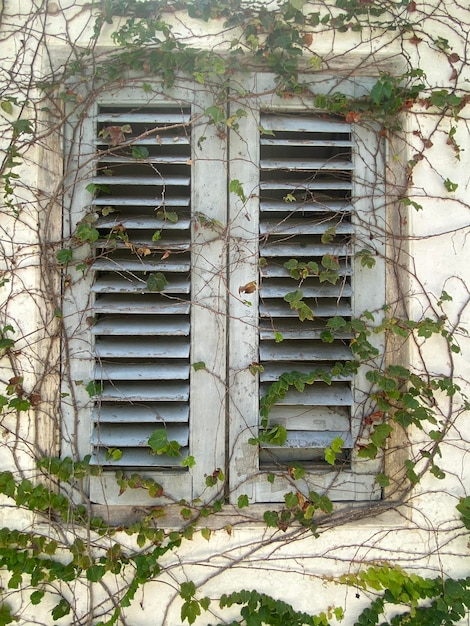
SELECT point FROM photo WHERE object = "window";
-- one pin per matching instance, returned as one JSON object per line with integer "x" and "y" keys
{"x": 216, "y": 260}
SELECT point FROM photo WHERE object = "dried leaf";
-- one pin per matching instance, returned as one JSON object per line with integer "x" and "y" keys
{"x": 248, "y": 288}
{"x": 144, "y": 251}
{"x": 377, "y": 416}
{"x": 353, "y": 116}
{"x": 308, "y": 38}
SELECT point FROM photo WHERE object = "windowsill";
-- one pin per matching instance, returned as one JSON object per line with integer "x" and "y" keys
{"x": 382, "y": 514}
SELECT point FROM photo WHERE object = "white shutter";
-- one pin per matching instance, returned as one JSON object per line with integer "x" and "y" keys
{"x": 141, "y": 336}
{"x": 305, "y": 194}
{"x": 314, "y": 187}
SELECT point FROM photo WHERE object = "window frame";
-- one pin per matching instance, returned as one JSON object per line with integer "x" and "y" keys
{"x": 220, "y": 439}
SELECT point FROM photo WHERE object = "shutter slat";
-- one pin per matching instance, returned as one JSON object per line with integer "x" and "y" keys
{"x": 142, "y": 348}
{"x": 308, "y": 185}
{"x": 324, "y": 206}
{"x": 145, "y": 392}
{"x": 306, "y": 166}
{"x": 158, "y": 414}
{"x": 304, "y": 123}
{"x": 150, "y": 140}
{"x": 305, "y": 351}
{"x": 278, "y": 289}
{"x": 115, "y": 284}
{"x": 147, "y": 325}
{"x": 294, "y": 250}
{"x": 131, "y": 201}
{"x": 304, "y": 227}
{"x": 306, "y": 142}
{"x": 137, "y": 265}
{"x": 320, "y": 309}
{"x": 173, "y": 160}
{"x": 142, "y": 223}
{"x": 137, "y": 181}
{"x": 140, "y": 304}
{"x": 310, "y": 158}
{"x": 273, "y": 371}
{"x": 306, "y": 439}
{"x": 148, "y": 117}
{"x": 146, "y": 371}
{"x": 115, "y": 435}
{"x": 140, "y": 457}
{"x": 279, "y": 271}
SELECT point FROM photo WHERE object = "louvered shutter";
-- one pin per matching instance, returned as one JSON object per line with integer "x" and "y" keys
{"x": 314, "y": 191}
{"x": 305, "y": 215}
{"x": 141, "y": 307}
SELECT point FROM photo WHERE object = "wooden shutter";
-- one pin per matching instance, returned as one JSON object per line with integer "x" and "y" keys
{"x": 141, "y": 310}
{"x": 306, "y": 169}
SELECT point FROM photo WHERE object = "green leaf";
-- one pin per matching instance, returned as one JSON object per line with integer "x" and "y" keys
{"x": 95, "y": 573}
{"x": 86, "y": 233}
{"x": 7, "y": 106}
{"x": 64, "y": 256}
{"x": 382, "y": 480}
{"x": 35, "y": 597}
{"x": 22, "y": 127}
{"x": 199, "y": 365}
{"x": 243, "y": 501}
{"x": 330, "y": 456}
{"x": 271, "y": 518}
{"x": 156, "y": 281}
{"x": 139, "y": 152}
{"x": 94, "y": 388}
{"x": 61, "y": 610}
{"x": 187, "y": 590}
{"x": 216, "y": 114}
{"x": 188, "y": 462}
{"x": 206, "y": 533}
{"x": 450, "y": 186}
{"x": 237, "y": 188}
{"x": 6, "y": 616}
{"x": 190, "y": 611}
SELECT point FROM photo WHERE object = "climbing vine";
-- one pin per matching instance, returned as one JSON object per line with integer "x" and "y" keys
{"x": 65, "y": 560}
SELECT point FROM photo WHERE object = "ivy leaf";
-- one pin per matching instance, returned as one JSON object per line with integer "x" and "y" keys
{"x": 243, "y": 501}
{"x": 64, "y": 256}
{"x": 139, "y": 152}
{"x": 7, "y": 106}
{"x": 190, "y": 611}
{"x": 94, "y": 388}
{"x": 156, "y": 281}
{"x": 216, "y": 114}
{"x": 237, "y": 188}
{"x": 382, "y": 480}
{"x": 35, "y": 598}
{"x": 199, "y": 365}
{"x": 61, "y": 610}
{"x": 95, "y": 573}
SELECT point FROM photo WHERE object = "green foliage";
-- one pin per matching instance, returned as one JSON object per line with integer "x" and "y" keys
{"x": 447, "y": 600}
{"x": 259, "y": 608}
{"x": 160, "y": 444}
